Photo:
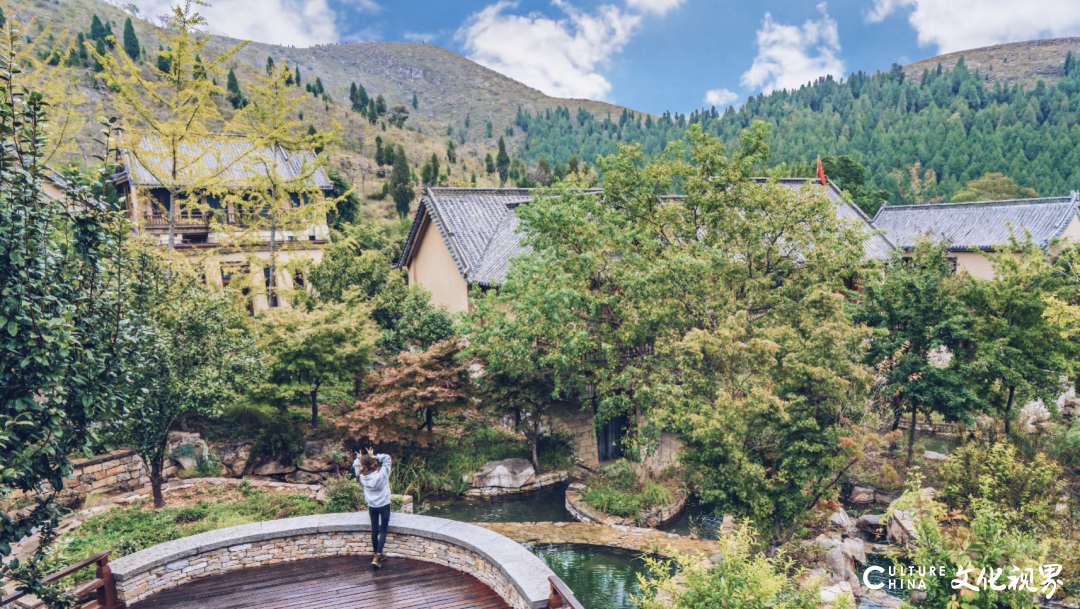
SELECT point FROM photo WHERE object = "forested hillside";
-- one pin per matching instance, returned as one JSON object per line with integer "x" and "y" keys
{"x": 951, "y": 122}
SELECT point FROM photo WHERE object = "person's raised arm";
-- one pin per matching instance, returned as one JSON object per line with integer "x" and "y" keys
{"x": 384, "y": 462}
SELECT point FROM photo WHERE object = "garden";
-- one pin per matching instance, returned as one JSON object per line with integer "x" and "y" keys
{"x": 742, "y": 316}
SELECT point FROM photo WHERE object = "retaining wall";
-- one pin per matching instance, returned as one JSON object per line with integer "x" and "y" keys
{"x": 654, "y": 517}
{"x": 514, "y": 573}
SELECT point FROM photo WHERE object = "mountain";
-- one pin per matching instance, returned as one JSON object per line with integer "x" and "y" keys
{"x": 954, "y": 120}
{"x": 1023, "y": 63}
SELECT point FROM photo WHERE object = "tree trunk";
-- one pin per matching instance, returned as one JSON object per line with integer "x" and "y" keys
{"x": 315, "y": 406}
{"x": 172, "y": 218}
{"x": 911, "y": 435}
{"x": 155, "y": 485}
{"x": 270, "y": 292}
{"x": 534, "y": 439}
{"x": 183, "y": 422}
{"x": 429, "y": 419}
{"x": 1008, "y": 408}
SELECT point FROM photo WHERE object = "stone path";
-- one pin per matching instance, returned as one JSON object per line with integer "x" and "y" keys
{"x": 630, "y": 538}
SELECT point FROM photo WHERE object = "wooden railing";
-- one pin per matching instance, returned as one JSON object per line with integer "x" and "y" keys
{"x": 561, "y": 596}
{"x": 187, "y": 217}
{"x": 102, "y": 583}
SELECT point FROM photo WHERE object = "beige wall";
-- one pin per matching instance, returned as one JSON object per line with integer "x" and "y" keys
{"x": 583, "y": 436}
{"x": 975, "y": 263}
{"x": 284, "y": 279}
{"x": 432, "y": 268}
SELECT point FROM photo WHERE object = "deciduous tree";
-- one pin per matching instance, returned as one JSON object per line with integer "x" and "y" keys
{"x": 308, "y": 348}
{"x": 407, "y": 396}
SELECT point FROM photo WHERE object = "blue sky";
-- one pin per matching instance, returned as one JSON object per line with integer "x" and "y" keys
{"x": 656, "y": 55}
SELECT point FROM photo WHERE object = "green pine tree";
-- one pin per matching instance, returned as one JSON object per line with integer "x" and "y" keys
{"x": 131, "y": 41}
{"x": 502, "y": 160}
{"x": 232, "y": 91}
{"x": 97, "y": 29}
{"x": 269, "y": 65}
{"x": 101, "y": 50}
{"x": 400, "y": 187}
{"x": 298, "y": 76}
{"x": 415, "y": 102}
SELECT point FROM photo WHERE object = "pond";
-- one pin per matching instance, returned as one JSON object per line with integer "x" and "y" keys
{"x": 600, "y": 577}
{"x": 544, "y": 505}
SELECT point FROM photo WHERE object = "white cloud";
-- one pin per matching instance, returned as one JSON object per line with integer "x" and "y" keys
{"x": 561, "y": 57}
{"x": 957, "y": 25}
{"x": 720, "y": 97}
{"x": 792, "y": 55}
{"x": 659, "y": 7}
{"x": 286, "y": 22}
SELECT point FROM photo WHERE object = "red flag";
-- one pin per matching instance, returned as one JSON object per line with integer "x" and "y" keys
{"x": 820, "y": 171}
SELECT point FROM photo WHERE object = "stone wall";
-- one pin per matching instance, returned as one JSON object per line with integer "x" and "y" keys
{"x": 540, "y": 482}
{"x": 654, "y": 517}
{"x": 119, "y": 470}
{"x": 583, "y": 440}
{"x": 582, "y": 435}
{"x": 514, "y": 573}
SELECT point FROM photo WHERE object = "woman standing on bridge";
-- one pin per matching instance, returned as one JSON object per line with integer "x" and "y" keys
{"x": 373, "y": 471}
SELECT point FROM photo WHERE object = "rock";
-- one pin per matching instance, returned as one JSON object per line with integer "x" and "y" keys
{"x": 836, "y": 561}
{"x": 321, "y": 496}
{"x": 274, "y": 468}
{"x": 728, "y": 524}
{"x": 856, "y": 549}
{"x": 885, "y": 497}
{"x": 233, "y": 456}
{"x": 302, "y": 477}
{"x": 900, "y": 527}
{"x": 318, "y": 464}
{"x": 842, "y": 520}
{"x": 861, "y": 494}
{"x": 830, "y": 594}
{"x": 508, "y": 473}
{"x": 870, "y": 523}
{"x": 933, "y": 456}
{"x": 716, "y": 558}
{"x": 917, "y": 596}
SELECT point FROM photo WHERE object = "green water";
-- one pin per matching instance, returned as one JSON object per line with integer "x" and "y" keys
{"x": 600, "y": 577}
{"x": 544, "y": 505}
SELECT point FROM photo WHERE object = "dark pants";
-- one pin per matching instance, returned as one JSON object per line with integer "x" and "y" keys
{"x": 380, "y": 520}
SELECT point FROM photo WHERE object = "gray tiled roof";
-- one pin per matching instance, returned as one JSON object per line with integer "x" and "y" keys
{"x": 479, "y": 228}
{"x": 233, "y": 156}
{"x": 981, "y": 225}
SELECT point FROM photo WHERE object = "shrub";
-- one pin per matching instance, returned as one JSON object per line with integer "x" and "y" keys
{"x": 1025, "y": 493}
{"x": 990, "y": 543}
{"x": 345, "y": 494}
{"x": 744, "y": 579}
{"x": 887, "y": 478}
{"x": 281, "y": 439}
{"x": 616, "y": 490}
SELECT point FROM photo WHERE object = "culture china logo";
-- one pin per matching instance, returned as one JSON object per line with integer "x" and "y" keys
{"x": 968, "y": 578}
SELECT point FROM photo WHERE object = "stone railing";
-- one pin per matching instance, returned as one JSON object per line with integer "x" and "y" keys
{"x": 509, "y": 569}
{"x": 653, "y": 518}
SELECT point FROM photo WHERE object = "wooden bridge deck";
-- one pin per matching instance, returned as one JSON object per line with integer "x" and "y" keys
{"x": 338, "y": 582}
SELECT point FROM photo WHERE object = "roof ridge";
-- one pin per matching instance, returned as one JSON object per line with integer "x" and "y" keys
{"x": 999, "y": 203}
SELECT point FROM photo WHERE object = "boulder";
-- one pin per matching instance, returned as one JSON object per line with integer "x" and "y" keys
{"x": 318, "y": 464}
{"x": 861, "y": 494}
{"x": 856, "y": 549}
{"x": 274, "y": 468}
{"x": 233, "y": 456}
{"x": 830, "y": 594}
{"x": 302, "y": 477}
{"x": 900, "y": 527}
{"x": 870, "y": 523}
{"x": 842, "y": 520}
{"x": 508, "y": 473}
{"x": 933, "y": 456}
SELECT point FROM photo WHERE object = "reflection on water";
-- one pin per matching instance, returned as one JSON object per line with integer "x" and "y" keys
{"x": 696, "y": 519}
{"x": 544, "y": 505}
{"x": 600, "y": 577}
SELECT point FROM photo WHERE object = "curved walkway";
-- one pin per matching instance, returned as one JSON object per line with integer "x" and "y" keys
{"x": 338, "y": 582}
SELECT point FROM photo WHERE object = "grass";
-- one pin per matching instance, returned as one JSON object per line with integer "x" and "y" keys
{"x": 618, "y": 491}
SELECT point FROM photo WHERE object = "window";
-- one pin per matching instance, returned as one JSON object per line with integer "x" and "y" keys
{"x": 271, "y": 297}
{"x": 298, "y": 279}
